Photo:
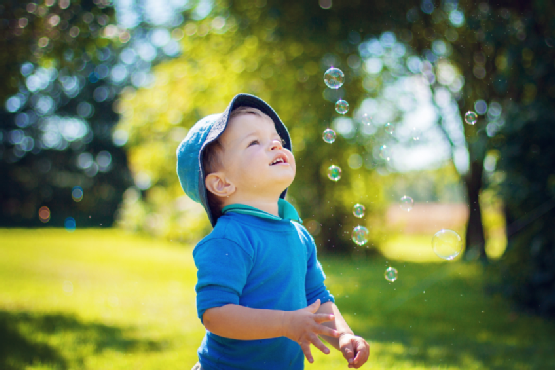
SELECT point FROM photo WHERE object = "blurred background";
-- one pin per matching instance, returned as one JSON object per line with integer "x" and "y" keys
{"x": 96, "y": 268}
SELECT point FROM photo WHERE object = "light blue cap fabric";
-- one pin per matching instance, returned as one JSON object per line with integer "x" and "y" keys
{"x": 190, "y": 152}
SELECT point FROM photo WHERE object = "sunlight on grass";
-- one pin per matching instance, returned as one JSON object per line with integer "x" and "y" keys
{"x": 414, "y": 248}
{"x": 105, "y": 294}
{"x": 418, "y": 248}
{"x": 102, "y": 299}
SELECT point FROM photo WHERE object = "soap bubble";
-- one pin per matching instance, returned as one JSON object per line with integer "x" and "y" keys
{"x": 334, "y": 173}
{"x": 470, "y": 117}
{"x": 447, "y": 244}
{"x": 358, "y": 210}
{"x": 341, "y": 106}
{"x": 360, "y": 235}
{"x": 366, "y": 119}
{"x": 389, "y": 128}
{"x": 334, "y": 78}
{"x": 391, "y": 274}
{"x": 329, "y": 136}
{"x": 77, "y": 193}
{"x": 70, "y": 224}
{"x": 415, "y": 135}
{"x": 406, "y": 203}
{"x": 385, "y": 152}
{"x": 44, "y": 214}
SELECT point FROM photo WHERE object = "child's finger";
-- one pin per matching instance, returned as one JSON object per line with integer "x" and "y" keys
{"x": 324, "y": 330}
{"x": 323, "y": 317}
{"x": 321, "y": 346}
{"x": 306, "y": 350}
{"x": 348, "y": 353}
{"x": 314, "y": 306}
{"x": 362, "y": 352}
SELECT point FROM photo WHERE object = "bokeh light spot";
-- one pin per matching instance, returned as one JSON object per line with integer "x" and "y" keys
{"x": 44, "y": 214}
{"x": 77, "y": 193}
{"x": 70, "y": 224}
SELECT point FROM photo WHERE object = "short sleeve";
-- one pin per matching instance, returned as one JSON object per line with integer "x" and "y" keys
{"x": 314, "y": 282}
{"x": 222, "y": 270}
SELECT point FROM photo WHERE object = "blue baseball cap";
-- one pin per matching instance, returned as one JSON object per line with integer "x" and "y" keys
{"x": 191, "y": 150}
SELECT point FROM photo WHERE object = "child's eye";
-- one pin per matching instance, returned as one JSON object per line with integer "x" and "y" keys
{"x": 253, "y": 142}
{"x": 282, "y": 142}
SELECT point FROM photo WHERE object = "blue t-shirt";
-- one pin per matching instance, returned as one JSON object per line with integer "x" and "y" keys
{"x": 258, "y": 263}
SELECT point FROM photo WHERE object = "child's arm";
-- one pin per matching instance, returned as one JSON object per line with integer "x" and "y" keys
{"x": 303, "y": 326}
{"x": 354, "y": 348}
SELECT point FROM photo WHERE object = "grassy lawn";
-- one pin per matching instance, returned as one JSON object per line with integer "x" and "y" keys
{"x": 101, "y": 299}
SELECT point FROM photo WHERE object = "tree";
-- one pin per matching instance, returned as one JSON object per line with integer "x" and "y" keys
{"x": 526, "y": 273}
{"x": 57, "y": 147}
{"x": 64, "y": 64}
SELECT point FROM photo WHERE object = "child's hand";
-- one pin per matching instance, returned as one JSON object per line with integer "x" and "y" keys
{"x": 355, "y": 349}
{"x": 303, "y": 326}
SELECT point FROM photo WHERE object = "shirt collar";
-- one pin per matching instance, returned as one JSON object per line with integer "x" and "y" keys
{"x": 286, "y": 211}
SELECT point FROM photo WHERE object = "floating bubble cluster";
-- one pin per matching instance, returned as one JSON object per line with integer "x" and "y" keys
{"x": 471, "y": 117}
{"x": 341, "y": 106}
{"x": 358, "y": 210}
{"x": 77, "y": 193}
{"x": 44, "y": 214}
{"x": 406, "y": 203}
{"x": 447, "y": 244}
{"x": 334, "y": 173}
{"x": 70, "y": 224}
{"x": 329, "y": 136}
{"x": 391, "y": 274}
{"x": 385, "y": 152}
{"x": 360, "y": 235}
{"x": 334, "y": 78}
{"x": 389, "y": 128}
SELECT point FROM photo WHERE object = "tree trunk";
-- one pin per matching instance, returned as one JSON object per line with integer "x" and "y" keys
{"x": 475, "y": 247}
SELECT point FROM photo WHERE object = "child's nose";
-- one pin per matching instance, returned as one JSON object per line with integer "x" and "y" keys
{"x": 276, "y": 144}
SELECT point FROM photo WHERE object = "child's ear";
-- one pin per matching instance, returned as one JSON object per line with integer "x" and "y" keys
{"x": 217, "y": 184}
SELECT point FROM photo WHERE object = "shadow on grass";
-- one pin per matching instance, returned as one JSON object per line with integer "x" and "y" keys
{"x": 24, "y": 340}
{"x": 438, "y": 315}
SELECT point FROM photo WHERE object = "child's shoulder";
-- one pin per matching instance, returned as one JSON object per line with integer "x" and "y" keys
{"x": 226, "y": 234}
{"x": 303, "y": 232}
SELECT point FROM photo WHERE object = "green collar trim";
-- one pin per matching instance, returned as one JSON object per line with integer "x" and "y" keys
{"x": 285, "y": 209}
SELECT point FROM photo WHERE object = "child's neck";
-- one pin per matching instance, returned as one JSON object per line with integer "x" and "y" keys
{"x": 269, "y": 204}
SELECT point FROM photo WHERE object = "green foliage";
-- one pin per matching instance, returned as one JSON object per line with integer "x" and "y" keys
{"x": 97, "y": 299}
{"x": 57, "y": 95}
{"x": 245, "y": 52}
{"x": 50, "y": 34}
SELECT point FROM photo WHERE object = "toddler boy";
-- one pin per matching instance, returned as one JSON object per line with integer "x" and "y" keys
{"x": 260, "y": 289}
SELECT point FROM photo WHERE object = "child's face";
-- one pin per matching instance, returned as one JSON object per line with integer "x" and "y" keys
{"x": 254, "y": 158}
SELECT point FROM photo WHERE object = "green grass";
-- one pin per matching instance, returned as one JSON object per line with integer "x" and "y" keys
{"x": 101, "y": 299}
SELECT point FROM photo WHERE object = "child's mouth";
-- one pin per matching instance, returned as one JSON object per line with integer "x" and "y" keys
{"x": 280, "y": 159}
